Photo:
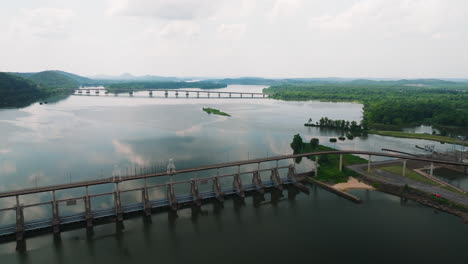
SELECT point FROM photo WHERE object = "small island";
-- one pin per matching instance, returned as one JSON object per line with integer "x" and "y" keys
{"x": 215, "y": 111}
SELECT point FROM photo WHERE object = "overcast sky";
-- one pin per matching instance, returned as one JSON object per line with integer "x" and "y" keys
{"x": 269, "y": 38}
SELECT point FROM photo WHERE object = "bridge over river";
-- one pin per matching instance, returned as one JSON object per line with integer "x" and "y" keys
{"x": 220, "y": 188}
{"x": 207, "y": 93}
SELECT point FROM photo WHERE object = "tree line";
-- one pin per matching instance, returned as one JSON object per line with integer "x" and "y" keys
{"x": 444, "y": 103}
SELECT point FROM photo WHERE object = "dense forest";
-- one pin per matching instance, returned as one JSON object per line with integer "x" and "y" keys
{"x": 17, "y": 92}
{"x": 22, "y": 89}
{"x": 54, "y": 81}
{"x": 125, "y": 86}
{"x": 391, "y": 103}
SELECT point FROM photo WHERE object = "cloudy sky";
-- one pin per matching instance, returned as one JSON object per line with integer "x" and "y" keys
{"x": 269, "y": 38}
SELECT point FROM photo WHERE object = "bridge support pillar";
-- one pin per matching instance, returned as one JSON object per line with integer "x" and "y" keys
{"x": 237, "y": 183}
{"x": 241, "y": 95}
{"x": 219, "y": 94}
{"x": 55, "y": 215}
{"x": 316, "y": 165}
{"x": 403, "y": 172}
{"x": 292, "y": 173}
{"x": 187, "y": 94}
{"x": 217, "y": 189}
{"x": 19, "y": 221}
{"x": 369, "y": 161}
{"x": 171, "y": 197}
{"x": 195, "y": 194}
{"x": 257, "y": 181}
{"x": 276, "y": 179}
{"x": 341, "y": 163}
{"x": 198, "y": 94}
{"x": 117, "y": 203}
{"x": 263, "y": 95}
{"x": 166, "y": 93}
{"x": 431, "y": 169}
{"x": 252, "y": 95}
{"x": 88, "y": 210}
{"x": 145, "y": 200}
{"x": 229, "y": 95}
{"x": 208, "y": 95}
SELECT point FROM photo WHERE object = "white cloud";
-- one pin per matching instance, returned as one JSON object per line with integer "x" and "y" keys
{"x": 284, "y": 8}
{"x": 44, "y": 22}
{"x": 232, "y": 31}
{"x": 180, "y": 28}
{"x": 420, "y": 17}
{"x": 166, "y": 9}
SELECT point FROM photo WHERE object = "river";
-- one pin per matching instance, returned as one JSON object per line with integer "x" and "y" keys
{"x": 88, "y": 137}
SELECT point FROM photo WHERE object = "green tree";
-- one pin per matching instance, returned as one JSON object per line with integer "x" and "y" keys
{"x": 314, "y": 143}
{"x": 297, "y": 143}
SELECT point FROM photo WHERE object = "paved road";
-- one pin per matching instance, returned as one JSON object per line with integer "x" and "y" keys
{"x": 401, "y": 181}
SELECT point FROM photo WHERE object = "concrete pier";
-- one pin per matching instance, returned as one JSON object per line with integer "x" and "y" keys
{"x": 276, "y": 179}
{"x": 117, "y": 203}
{"x": 55, "y": 215}
{"x": 19, "y": 220}
{"x": 145, "y": 200}
{"x": 217, "y": 189}
{"x": 171, "y": 197}
{"x": 257, "y": 181}
{"x": 237, "y": 184}
{"x": 403, "y": 172}
{"x": 195, "y": 194}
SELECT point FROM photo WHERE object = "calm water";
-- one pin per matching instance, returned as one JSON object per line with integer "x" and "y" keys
{"x": 88, "y": 137}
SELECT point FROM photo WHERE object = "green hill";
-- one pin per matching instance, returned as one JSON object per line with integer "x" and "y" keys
{"x": 78, "y": 78}
{"x": 17, "y": 92}
{"x": 54, "y": 81}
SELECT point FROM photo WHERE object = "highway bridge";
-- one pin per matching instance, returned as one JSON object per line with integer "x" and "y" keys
{"x": 207, "y": 93}
{"x": 172, "y": 200}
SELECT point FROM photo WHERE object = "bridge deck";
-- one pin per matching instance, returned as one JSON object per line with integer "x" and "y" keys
{"x": 218, "y": 166}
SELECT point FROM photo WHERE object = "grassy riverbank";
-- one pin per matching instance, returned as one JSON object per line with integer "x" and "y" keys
{"x": 215, "y": 111}
{"x": 419, "y": 136}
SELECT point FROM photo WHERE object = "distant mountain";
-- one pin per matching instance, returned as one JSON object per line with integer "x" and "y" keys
{"x": 78, "y": 78}
{"x": 55, "y": 80}
{"x": 145, "y": 78}
{"x": 16, "y": 91}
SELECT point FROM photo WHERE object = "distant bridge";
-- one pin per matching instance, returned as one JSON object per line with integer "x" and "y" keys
{"x": 176, "y": 92}
{"x": 88, "y": 216}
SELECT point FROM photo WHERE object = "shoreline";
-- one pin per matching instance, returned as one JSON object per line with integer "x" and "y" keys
{"x": 352, "y": 183}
